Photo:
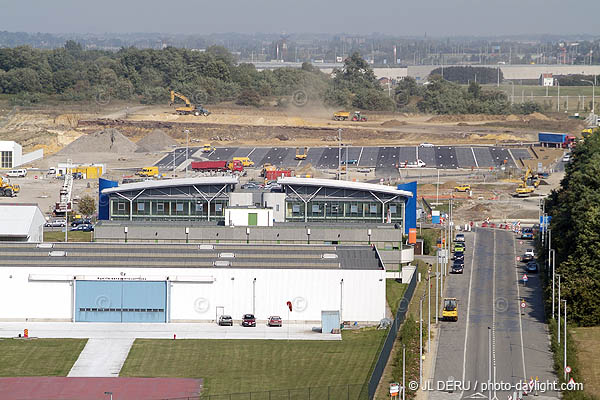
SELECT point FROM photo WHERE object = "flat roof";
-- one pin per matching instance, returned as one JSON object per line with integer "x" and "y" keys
{"x": 16, "y": 219}
{"x": 151, "y": 255}
{"x": 203, "y": 181}
{"x": 367, "y": 187}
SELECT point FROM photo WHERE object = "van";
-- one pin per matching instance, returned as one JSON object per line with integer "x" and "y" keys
{"x": 246, "y": 162}
{"x": 17, "y": 173}
{"x": 148, "y": 171}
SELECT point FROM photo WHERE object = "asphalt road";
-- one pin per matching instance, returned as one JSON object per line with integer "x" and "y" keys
{"x": 179, "y": 158}
{"x": 488, "y": 293}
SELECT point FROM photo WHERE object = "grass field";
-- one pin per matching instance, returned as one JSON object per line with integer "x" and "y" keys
{"x": 38, "y": 357}
{"x": 235, "y": 366}
{"x": 588, "y": 354}
{"x": 393, "y": 293}
{"x": 76, "y": 236}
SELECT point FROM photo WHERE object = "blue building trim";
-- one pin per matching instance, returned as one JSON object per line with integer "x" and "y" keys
{"x": 103, "y": 199}
{"x": 411, "y": 206}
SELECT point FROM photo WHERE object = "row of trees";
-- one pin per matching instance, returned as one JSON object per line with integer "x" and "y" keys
{"x": 575, "y": 211}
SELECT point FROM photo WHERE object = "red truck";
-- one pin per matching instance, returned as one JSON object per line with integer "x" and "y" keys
{"x": 273, "y": 175}
{"x": 206, "y": 166}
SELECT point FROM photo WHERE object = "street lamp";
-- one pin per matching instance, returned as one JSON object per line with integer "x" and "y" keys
{"x": 340, "y": 154}
{"x": 558, "y": 96}
{"x": 512, "y": 97}
{"x": 593, "y": 93}
{"x": 174, "y": 153}
{"x": 187, "y": 151}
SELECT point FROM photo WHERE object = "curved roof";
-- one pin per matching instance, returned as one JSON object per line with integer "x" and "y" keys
{"x": 208, "y": 180}
{"x": 331, "y": 183}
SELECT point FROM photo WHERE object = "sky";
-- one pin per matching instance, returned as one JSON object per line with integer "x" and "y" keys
{"x": 439, "y": 18}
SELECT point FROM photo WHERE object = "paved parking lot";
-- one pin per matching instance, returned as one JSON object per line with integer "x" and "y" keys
{"x": 384, "y": 158}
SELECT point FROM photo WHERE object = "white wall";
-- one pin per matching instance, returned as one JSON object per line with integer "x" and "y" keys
{"x": 17, "y": 150}
{"x": 239, "y": 216}
{"x": 276, "y": 201}
{"x": 30, "y": 157}
{"x": 310, "y": 290}
{"x": 36, "y": 230}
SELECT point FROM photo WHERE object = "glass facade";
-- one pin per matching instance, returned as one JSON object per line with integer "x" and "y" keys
{"x": 167, "y": 210}
{"x": 6, "y": 159}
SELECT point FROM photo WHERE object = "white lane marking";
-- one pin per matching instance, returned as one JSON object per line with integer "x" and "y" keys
{"x": 494, "y": 314}
{"x": 251, "y": 151}
{"x": 468, "y": 313}
{"x": 518, "y": 306}
{"x": 474, "y": 158}
{"x": 359, "y": 156}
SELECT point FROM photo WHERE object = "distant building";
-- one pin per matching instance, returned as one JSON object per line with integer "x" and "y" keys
{"x": 546, "y": 80}
{"x": 11, "y": 155}
{"x": 21, "y": 223}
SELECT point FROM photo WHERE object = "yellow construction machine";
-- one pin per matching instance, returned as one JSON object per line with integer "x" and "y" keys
{"x": 8, "y": 189}
{"x": 528, "y": 184}
{"x": 301, "y": 156}
{"x": 450, "y": 310}
{"x": 189, "y": 109}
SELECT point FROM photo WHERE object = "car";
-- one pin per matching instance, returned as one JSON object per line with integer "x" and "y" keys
{"x": 274, "y": 320}
{"x": 248, "y": 320}
{"x": 527, "y": 233}
{"x": 457, "y": 267}
{"x": 527, "y": 257}
{"x": 460, "y": 237}
{"x": 350, "y": 162}
{"x": 566, "y": 158}
{"x": 530, "y": 252}
{"x": 459, "y": 256}
{"x": 460, "y": 247}
{"x": 57, "y": 223}
{"x": 251, "y": 185}
{"x": 80, "y": 221}
{"x": 83, "y": 228}
{"x": 364, "y": 170}
{"x": 462, "y": 188}
{"x": 426, "y": 145}
{"x": 532, "y": 266}
{"x": 225, "y": 320}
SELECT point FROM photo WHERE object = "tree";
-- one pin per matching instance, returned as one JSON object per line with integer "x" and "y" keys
{"x": 248, "y": 97}
{"x": 87, "y": 205}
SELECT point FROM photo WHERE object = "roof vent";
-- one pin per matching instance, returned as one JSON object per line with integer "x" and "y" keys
{"x": 226, "y": 255}
{"x": 330, "y": 255}
{"x": 222, "y": 263}
{"x": 57, "y": 254}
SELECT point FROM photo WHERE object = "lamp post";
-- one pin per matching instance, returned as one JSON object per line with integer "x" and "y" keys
{"x": 593, "y": 93}
{"x": 565, "y": 340}
{"x": 558, "y": 325}
{"x": 558, "y": 96}
{"x": 340, "y": 154}
{"x": 187, "y": 151}
{"x": 174, "y": 156}
{"x": 553, "y": 275}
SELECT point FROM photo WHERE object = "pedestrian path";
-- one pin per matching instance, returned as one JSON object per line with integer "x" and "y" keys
{"x": 101, "y": 358}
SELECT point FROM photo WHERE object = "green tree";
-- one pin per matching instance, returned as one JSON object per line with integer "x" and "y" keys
{"x": 248, "y": 97}
{"x": 87, "y": 205}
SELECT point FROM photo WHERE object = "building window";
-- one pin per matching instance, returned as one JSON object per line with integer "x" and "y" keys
{"x": 120, "y": 206}
{"x": 140, "y": 206}
{"x": 199, "y": 207}
{"x": 296, "y": 208}
{"x": 6, "y": 159}
{"x": 218, "y": 207}
{"x": 179, "y": 207}
{"x": 354, "y": 208}
{"x": 373, "y": 209}
{"x": 393, "y": 209}
{"x": 160, "y": 207}
{"x": 316, "y": 208}
{"x": 277, "y": 207}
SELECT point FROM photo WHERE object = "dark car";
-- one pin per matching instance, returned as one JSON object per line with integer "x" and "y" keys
{"x": 225, "y": 320}
{"x": 248, "y": 320}
{"x": 532, "y": 266}
{"x": 527, "y": 258}
{"x": 458, "y": 267}
{"x": 459, "y": 256}
{"x": 83, "y": 228}
{"x": 80, "y": 221}
{"x": 274, "y": 321}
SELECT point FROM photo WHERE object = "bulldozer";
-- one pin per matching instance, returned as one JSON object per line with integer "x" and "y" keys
{"x": 529, "y": 183}
{"x": 301, "y": 156}
{"x": 8, "y": 189}
{"x": 450, "y": 310}
{"x": 189, "y": 109}
{"x": 358, "y": 117}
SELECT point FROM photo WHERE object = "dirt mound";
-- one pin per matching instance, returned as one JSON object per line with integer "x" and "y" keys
{"x": 393, "y": 122}
{"x": 538, "y": 116}
{"x": 513, "y": 118}
{"x": 466, "y": 118}
{"x": 157, "y": 140}
{"x": 104, "y": 141}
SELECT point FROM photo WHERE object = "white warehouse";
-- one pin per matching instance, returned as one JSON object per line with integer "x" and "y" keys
{"x": 11, "y": 155}
{"x": 99, "y": 282}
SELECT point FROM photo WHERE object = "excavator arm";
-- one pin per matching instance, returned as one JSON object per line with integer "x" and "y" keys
{"x": 180, "y": 96}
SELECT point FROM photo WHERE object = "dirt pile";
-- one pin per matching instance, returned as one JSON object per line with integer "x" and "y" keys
{"x": 104, "y": 141}
{"x": 466, "y": 118}
{"x": 157, "y": 140}
{"x": 538, "y": 116}
{"x": 393, "y": 123}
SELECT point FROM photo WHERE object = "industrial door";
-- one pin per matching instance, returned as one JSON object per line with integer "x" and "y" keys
{"x": 252, "y": 219}
{"x": 120, "y": 301}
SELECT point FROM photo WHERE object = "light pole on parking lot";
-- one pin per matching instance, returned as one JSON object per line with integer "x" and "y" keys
{"x": 187, "y": 151}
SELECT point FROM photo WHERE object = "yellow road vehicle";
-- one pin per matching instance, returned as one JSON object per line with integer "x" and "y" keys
{"x": 450, "y": 310}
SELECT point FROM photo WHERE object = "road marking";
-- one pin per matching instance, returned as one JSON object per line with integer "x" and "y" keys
{"x": 474, "y": 158}
{"x": 359, "y": 156}
{"x": 468, "y": 312}
{"x": 518, "y": 300}
{"x": 251, "y": 151}
{"x": 494, "y": 313}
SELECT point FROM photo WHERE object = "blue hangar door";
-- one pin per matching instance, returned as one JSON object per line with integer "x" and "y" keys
{"x": 120, "y": 301}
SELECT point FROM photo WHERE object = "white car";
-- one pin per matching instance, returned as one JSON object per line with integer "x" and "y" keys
{"x": 426, "y": 145}
{"x": 566, "y": 158}
{"x": 529, "y": 252}
{"x": 413, "y": 164}
{"x": 459, "y": 237}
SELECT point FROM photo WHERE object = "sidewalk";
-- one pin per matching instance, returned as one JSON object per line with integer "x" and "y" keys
{"x": 101, "y": 358}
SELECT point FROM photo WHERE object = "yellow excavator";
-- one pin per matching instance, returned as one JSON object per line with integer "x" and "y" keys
{"x": 301, "y": 156}
{"x": 189, "y": 109}
{"x": 528, "y": 185}
{"x": 8, "y": 189}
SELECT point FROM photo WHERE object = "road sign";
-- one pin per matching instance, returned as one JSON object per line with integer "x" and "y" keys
{"x": 394, "y": 389}
{"x": 568, "y": 369}
{"x": 518, "y": 258}
{"x": 571, "y": 381}
{"x": 523, "y": 305}
{"x": 525, "y": 278}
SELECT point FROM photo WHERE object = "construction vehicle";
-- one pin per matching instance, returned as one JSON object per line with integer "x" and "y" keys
{"x": 528, "y": 184}
{"x": 208, "y": 148}
{"x": 301, "y": 156}
{"x": 462, "y": 188}
{"x": 587, "y": 132}
{"x": 245, "y": 161}
{"x": 266, "y": 168}
{"x": 8, "y": 189}
{"x": 189, "y": 109}
{"x": 450, "y": 310}
{"x": 213, "y": 166}
{"x": 341, "y": 116}
{"x": 148, "y": 171}
{"x": 563, "y": 140}
{"x": 358, "y": 117}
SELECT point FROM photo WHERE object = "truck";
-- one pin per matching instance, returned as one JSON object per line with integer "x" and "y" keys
{"x": 148, "y": 171}
{"x": 341, "y": 115}
{"x": 563, "y": 140}
{"x": 209, "y": 166}
{"x": 273, "y": 175}
{"x": 8, "y": 189}
{"x": 208, "y": 148}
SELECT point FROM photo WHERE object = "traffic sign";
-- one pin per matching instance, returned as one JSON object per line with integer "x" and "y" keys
{"x": 568, "y": 369}
{"x": 518, "y": 258}
{"x": 523, "y": 305}
{"x": 394, "y": 389}
{"x": 571, "y": 381}
{"x": 525, "y": 278}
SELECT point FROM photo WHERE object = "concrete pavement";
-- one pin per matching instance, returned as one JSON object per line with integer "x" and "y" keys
{"x": 101, "y": 358}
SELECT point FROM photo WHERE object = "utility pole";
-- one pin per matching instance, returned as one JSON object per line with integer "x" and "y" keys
{"x": 553, "y": 275}
{"x": 187, "y": 151}
{"x": 489, "y": 361}
{"x": 437, "y": 283}
{"x": 558, "y": 325}
{"x": 565, "y": 339}
{"x": 340, "y": 154}
{"x": 403, "y": 372}
{"x": 429, "y": 309}
{"x": 421, "y": 341}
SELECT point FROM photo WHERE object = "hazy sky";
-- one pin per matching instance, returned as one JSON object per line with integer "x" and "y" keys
{"x": 399, "y": 17}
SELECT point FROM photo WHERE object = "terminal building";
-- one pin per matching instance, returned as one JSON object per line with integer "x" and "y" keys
{"x": 300, "y": 200}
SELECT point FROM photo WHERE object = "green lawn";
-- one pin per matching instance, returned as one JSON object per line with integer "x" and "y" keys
{"x": 588, "y": 353}
{"x": 76, "y": 236}
{"x": 234, "y": 366}
{"x": 527, "y": 90}
{"x": 39, "y": 357}
{"x": 393, "y": 293}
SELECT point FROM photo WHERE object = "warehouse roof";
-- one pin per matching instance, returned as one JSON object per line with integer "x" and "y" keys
{"x": 16, "y": 219}
{"x": 367, "y": 187}
{"x": 202, "y": 181}
{"x": 246, "y": 256}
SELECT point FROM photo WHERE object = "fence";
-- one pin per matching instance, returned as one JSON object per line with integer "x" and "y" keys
{"x": 339, "y": 392}
{"x": 384, "y": 355}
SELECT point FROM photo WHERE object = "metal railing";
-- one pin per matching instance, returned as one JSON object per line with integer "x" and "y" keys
{"x": 337, "y": 392}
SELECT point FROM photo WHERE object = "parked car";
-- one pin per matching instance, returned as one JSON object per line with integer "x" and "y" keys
{"x": 459, "y": 246}
{"x": 83, "y": 228}
{"x": 527, "y": 257}
{"x": 530, "y": 252}
{"x": 80, "y": 221}
{"x": 460, "y": 237}
{"x": 459, "y": 256}
{"x": 566, "y": 158}
{"x": 225, "y": 320}
{"x": 426, "y": 145}
{"x": 250, "y": 185}
{"x": 458, "y": 267}
{"x": 532, "y": 266}
{"x": 57, "y": 223}
{"x": 527, "y": 233}
{"x": 274, "y": 321}
{"x": 248, "y": 320}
